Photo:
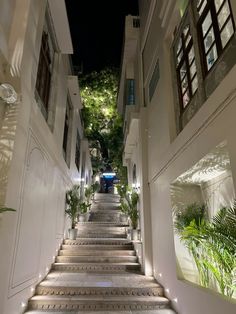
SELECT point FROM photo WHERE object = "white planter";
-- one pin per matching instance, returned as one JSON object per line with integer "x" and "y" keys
{"x": 135, "y": 234}
{"x": 123, "y": 218}
{"x": 72, "y": 234}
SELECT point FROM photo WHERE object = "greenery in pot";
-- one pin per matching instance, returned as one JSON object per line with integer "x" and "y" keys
{"x": 72, "y": 201}
{"x": 212, "y": 245}
{"x": 129, "y": 203}
{"x": 83, "y": 207}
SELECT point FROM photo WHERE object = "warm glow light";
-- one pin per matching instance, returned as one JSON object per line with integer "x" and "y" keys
{"x": 97, "y": 178}
{"x": 40, "y": 276}
{"x": 175, "y": 300}
{"x": 32, "y": 289}
{"x": 167, "y": 290}
{"x": 47, "y": 269}
{"x": 160, "y": 274}
{"x": 23, "y": 304}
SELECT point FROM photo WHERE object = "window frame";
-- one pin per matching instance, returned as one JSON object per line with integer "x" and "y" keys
{"x": 210, "y": 7}
{"x": 66, "y": 143}
{"x": 44, "y": 74}
{"x": 184, "y": 59}
{"x": 77, "y": 151}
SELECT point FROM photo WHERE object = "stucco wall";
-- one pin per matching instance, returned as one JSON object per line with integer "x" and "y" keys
{"x": 170, "y": 155}
{"x": 36, "y": 175}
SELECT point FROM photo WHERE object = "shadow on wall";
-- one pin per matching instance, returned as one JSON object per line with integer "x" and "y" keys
{"x": 7, "y": 139}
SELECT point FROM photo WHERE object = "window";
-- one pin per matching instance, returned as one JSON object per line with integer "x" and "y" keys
{"x": 67, "y": 130}
{"x": 77, "y": 151}
{"x": 216, "y": 27}
{"x": 186, "y": 67}
{"x": 130, "y": 92}
{"x": 136, "y": 22}
{"x": 43, "y": 81}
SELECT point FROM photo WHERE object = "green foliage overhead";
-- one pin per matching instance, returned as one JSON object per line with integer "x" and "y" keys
{"x": 102, "y": 123}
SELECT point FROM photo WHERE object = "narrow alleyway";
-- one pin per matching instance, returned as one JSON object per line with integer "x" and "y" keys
{"x": 99, "y": 271}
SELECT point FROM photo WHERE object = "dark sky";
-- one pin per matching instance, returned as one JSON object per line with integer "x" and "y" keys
{"x": 97, "y": 28}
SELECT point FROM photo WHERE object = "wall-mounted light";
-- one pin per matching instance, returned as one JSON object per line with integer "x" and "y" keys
{"x": 8, "y": 93}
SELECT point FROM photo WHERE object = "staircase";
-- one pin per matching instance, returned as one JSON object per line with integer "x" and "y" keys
{"x": 99, "y": 271}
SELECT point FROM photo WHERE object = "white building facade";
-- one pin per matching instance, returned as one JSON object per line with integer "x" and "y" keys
{"x": 43, "y": 150}
{"x": 177, "y": 97}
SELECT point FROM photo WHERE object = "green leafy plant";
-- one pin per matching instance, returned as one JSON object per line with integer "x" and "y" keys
{"x": 72, "y": 201}
{"x": 6, "y": 209}
{"x": 88, "y": 193}
{"x": 102, "y": 123}
{"x": 129, "y": 202}
{"x": 83, "y": 207}
{"x": 211, "y": 243}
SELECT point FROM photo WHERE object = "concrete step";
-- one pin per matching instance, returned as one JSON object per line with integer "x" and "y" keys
{"x": 97, "y": 234}
{"x": 78, "y": 252}
{"x": 97, "y": 247}
{"x": 100, "y": 241}
{"x": 159, "y": 311}
{"x": 97, "y": 303}
{"x": 103, "y": 291}
{"x": 101, "y": 227}
{"x": 114, "y": 267}
{"x": 96, "y": 259}
{"x": 93, "y": 224}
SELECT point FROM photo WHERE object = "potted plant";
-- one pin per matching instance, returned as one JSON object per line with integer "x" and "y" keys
{"x": 95, "y": 187}
{"x": 72, "y": 201}
{"x": 132, "y": 201}
{"x": 83, "y": 208}
{"x": 129, "y": 203}
{"x": 124, "y": 208}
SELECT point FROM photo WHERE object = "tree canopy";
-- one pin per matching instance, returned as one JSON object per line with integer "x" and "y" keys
{"x": 102, "y": 123}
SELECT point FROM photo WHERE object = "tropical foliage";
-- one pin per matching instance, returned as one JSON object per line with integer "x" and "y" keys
{"x": 72, "y": 201}
{"x": 129, "y": 202}
{"x": 102, "y": 123}
{"x": 212, "y": 245}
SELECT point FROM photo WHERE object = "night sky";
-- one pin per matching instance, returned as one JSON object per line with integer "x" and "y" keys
{"x": 97, "y": 28}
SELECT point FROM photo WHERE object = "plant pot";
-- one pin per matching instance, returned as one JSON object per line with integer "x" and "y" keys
{"x": 123, "y": 218}
{"x": 72, "y": 234}
{"x": 134, "y": 234}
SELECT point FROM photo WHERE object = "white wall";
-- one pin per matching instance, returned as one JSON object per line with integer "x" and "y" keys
{"x": 35, "y": 176}
{"x": 170, "y": 156}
